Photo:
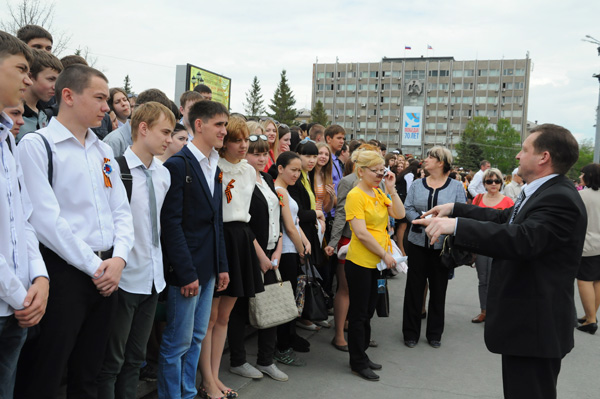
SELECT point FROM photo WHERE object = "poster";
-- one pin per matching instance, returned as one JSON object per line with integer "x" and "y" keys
{"x": 412, "y": 126}
{"x": 220, "y": 85}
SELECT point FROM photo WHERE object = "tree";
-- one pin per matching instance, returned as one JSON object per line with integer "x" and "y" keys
{"x": 127, "y": 85}
{"x": 503, "y": 146}
{"x": 35, "y": 12}
{"x": 469, "y": 151}
{"x": 283, "y": 102}
{"x": 586, "y": 156}
{"x": 254, "y": 103}
{"x": 318, "y": 114}
{"x": 85, "y": 53}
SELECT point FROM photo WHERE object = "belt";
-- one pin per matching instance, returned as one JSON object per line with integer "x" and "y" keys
{"x": 105, "y": 254}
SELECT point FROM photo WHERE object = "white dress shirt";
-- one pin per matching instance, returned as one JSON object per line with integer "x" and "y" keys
{"x": 274, "y": 212}
{"x": 78, "y": 214}
{"x": 476, "y": 186}
{"x": 145, "y": 266}
{"x": 208, "y": 165}
{"x": 20, "y": 259}
{"x": 238, "y": 209}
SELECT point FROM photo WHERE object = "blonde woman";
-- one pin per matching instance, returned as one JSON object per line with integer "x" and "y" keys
{"x": 322, "y": 180}
{"x": 270, "y": 129}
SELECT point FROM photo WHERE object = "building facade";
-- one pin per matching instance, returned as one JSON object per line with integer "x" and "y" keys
{"x": 416, "y": 103}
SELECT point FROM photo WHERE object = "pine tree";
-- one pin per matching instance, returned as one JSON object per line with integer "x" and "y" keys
{"x": 318, "y": 114}
{"x": 127, "y": 85}
{"x": 254, "y": 104}
{"x": 283, "y": 102}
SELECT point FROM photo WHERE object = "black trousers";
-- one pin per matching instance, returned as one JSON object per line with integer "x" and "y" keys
{"x": 73, "y": 334}
{"x": 362, "y": 289}
{"x": 529, "y": 377}
{"x": 424, "y": 266}
{"x": 289, "y": 268}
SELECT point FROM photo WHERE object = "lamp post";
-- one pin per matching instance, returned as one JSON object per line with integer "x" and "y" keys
{"x": 596, "y": 159}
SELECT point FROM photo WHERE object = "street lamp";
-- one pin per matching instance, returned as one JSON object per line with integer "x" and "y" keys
{"x": 595, "y": 41}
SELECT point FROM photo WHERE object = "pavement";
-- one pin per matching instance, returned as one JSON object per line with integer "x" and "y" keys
{"x": 461, "y": 368}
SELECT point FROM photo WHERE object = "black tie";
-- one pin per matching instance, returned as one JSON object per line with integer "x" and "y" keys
{"x": 520, "y": 200}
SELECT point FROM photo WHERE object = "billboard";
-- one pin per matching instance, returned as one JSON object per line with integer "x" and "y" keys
{"x": 412, "y": 126}
{"x": 219, "y": 84}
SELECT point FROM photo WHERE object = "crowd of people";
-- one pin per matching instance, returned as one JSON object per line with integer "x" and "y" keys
{"x": 137, "y": 232}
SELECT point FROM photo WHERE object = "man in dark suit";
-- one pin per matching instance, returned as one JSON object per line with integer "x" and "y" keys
{"x": 535, "y": 245}
{"x": 192, "y": 234}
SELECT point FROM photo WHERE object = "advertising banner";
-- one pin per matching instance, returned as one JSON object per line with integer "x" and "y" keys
{"x": 412, "y": 126}
{"x": 219, "y": 84}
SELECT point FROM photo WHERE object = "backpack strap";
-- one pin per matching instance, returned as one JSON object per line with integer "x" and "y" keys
{"x": 126, "y": 176}
{"x": 49, "y": 152}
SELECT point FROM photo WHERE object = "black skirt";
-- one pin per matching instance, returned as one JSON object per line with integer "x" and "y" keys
{"x": 244, "y": 269}
{"x": 589, "y": 268}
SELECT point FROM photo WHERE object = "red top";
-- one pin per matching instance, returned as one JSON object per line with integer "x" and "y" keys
{"x": 506, "y": 202}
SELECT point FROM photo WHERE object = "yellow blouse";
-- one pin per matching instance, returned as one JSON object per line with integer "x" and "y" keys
{"x": 374, "y": 211}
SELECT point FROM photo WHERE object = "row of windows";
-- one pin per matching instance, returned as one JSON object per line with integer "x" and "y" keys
{"x": 420, "y": 74}
{"x": 430, "y": 86}
{"x": 429, "y": 126}
{"x": 517, "y": 113}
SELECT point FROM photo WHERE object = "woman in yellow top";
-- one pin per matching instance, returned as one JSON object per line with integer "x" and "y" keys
{"x": 367, "y": 210}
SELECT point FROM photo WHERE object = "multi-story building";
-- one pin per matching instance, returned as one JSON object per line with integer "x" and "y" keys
{"x": 416, "y": 103}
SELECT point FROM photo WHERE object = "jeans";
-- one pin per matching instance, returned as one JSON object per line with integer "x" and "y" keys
{"x": 12, "y": 338}
{"x": 126, "y": 349}
{"x": 187, "y": 322}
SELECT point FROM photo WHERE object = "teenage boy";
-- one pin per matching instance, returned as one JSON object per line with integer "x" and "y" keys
{"x": 192, "y": 226}
{"x": 83, "y": 219}
{"x": 23, "y": 275}
{"x": 186, "y": 101}
{"x": 143, "y": 278}
{"x": 119, "y": 139}
{"x": 205, "y": 91}
{"x": 36, "y": 37}
{"x": 45, "y": 69}
{"x": 334, "y": 137}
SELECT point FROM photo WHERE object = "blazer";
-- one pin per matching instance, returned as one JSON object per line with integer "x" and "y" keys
{"x": 259, "y": 213}
{"x": 194, "y": 248}
{"x": 530, "y": 305}
{"x": 340, "y": 227}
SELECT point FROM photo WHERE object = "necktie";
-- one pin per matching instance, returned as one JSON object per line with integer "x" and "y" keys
{"x": 520, "y": 200}
{"x": 153, "y": 213}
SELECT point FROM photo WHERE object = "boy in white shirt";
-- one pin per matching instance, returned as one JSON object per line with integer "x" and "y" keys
{"x": 143, "y": 278}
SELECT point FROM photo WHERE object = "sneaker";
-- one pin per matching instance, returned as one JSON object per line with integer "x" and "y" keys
{"x": 289, "y": 358}
{"x": 273, "y": 372}
{"x": 246, "y": 370}
{"x": 148, "y": 373}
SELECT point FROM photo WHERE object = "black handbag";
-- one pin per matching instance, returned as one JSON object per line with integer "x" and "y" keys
{"x": 452, "y": 257}
{"x": 315, "y": 304}
{"x": 383, "y": 296}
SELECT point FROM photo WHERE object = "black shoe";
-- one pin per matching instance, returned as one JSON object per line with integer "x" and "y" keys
{"x": 410, "y": 343}
{"x": 589, "y": 328}
{"x": 582, "y": 320}
{"x": 148, "y": 373}
{"x": 367, "y": 374}
{"x": 435, "y": 344}
{"x": 375, "y": 366}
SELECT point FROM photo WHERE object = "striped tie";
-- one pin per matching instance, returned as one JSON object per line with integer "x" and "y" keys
{"x": 517, "y": 206}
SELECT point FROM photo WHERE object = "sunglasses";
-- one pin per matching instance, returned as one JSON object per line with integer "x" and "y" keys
{"x": 255, "y": 137}
{"x": 495, "y": 181}
{"x": 306, "y": 140}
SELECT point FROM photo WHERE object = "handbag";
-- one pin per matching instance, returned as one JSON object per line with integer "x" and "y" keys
{"x": 383, "y": 297}
{"x": 310, "y": 296}
{"x": 452, "y": 257}
{"x": 274, "y": 306}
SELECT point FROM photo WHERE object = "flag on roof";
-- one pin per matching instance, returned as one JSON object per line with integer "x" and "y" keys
{"x": 407, "y": 48}
{"x": 429, "y": 47}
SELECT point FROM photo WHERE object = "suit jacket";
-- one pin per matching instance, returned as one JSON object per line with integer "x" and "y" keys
{"x": 194, "y": 248}
{"x": 340, "y": 227}
{"x": 259, "y": 213}
{"x": 530, "y": 305}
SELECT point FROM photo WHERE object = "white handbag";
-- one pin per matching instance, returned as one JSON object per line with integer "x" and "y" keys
{"x": 273, "y": 307}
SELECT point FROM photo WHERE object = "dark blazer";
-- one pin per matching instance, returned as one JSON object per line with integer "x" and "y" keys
{"x": 259, "y": 213}
{"x": 195, "y": 248}
{"x": 530, "y": 305}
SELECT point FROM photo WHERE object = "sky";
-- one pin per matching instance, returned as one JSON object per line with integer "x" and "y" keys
{"x": 241, "y": 39}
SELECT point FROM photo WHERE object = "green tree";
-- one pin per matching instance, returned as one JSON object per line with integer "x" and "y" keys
{"x": 254, "y": 103}
{"x": 586, "y": 156}
{"x": 318, "y": 114}
{"x": 127, "y": 85}
{"x": 282, "y": 104}
{"x": 470, "y": 151}
{"x": 502, "y": 146}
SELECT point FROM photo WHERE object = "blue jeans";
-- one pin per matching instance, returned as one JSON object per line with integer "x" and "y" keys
{"x": 187, "y": 322}
{"x": 12, "y": 338}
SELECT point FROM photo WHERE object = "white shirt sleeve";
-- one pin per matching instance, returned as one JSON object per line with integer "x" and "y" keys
{"x": 475, "y": 183}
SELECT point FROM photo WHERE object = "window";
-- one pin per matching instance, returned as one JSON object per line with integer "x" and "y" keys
{"x": 341, "y": 87}
{"x": 341, "y": 74}
{"x": 489, "y": 72}
{"x": 328, "y": 100}
{"x": 432, "y": 100}
{"x": 320, "y": 75}
{"x": 414, "y": 74}
{"x": 351, "y": 87}
{"x": 519, "y": 85}
{"x": 513, "y": 86}
{"x": 329, "y": 74}
{"x": 396, "y": 74}
{"x": 433, "y": 73}
{"x": 517, "y": 127}
{"x": 350, "y": 74}
{"x": 328, "y": 87}
{"x": 430, "y": 126}
{"x": 320, "y": 87}
{"x": 364, "y": 74}
{"x": 328, "y": 111}
{"x": 384, "y": 125}
{"x": 368, "y": 87}
{"x": 340, "y": 99}
{"x": 372, "y": 100}
{"x": 520, "y": 72}
{"x": 457, "y": 74}
{"x": 508, "y": 72}
{"x": 482, "y": 86}
{"x": 462, "y": 86}
{"x": 469, "y": 72}
{"x": 516, "y": 113}
{"x": 385, "y": 112}
{"x": 441, "y": 126}
{"x": 374, "y": 74}
{"x": 461, "y": 112}
{"x": 461, "y": 100}
{"x": 349, "y": 112}
{"x": 386, "y": 74}
{"x": 372, "y": 112}
{"x": 371, "y": 125}
{"x": 350, "y": 100}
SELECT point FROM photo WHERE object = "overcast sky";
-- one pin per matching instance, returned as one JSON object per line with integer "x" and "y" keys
{"x": 241, "y": 39}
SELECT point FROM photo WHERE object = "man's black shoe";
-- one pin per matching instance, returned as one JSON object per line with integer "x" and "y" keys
{"x": 435, "y": 344}
{"x": 367, "y": 374}
{"x": 375, "y": 366}
{"x": 410, "y": 343}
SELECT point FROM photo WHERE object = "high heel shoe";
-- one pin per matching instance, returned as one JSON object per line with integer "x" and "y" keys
{"x": 589, "y": 328}
{"x": 582, "y": 320}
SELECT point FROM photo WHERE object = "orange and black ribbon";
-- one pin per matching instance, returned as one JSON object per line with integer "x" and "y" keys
{"x": 220, "y": 177}
{"x": 228, "y": 190}
{"x": 107, "y": 170}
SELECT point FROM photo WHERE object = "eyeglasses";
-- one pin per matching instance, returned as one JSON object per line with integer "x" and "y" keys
{"x": 379, "y": 172}
{"x": 255, "y": 137}
{"x": 495, "y": 181}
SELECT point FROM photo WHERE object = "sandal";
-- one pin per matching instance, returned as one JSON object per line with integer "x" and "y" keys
{"x": 230, "y": 393}
{"x": 204, "y": 395}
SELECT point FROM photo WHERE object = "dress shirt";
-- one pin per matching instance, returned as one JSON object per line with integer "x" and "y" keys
{"x": 145, "y": 266}
{"x": 20, "y": 259}
{"x": 238, "y": 209}
{"x": 532, "y": 187}
{"x": 274, "y": 212}
{"x": 476, "y": 186}
{"x": 78, "y": 214}
{"x": 208, "y": 165}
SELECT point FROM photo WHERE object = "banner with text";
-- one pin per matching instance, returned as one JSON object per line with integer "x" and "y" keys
{"x": 220, "y": 85}
{"x": 412, "y": 126}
